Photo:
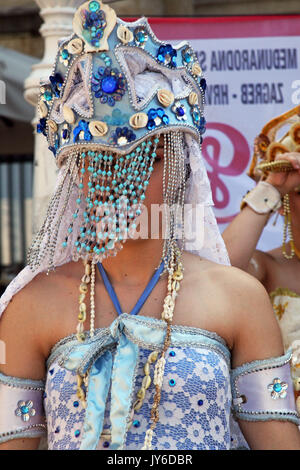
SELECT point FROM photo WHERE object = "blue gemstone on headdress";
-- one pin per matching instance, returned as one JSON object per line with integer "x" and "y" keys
{"x": 47, "y": 95}
{"x": 203, "y": 84}
{"x": 109, "y": 84}
{"x": 140, "y": 36}
{"x": 180, "y": 111}
{"x": 56, "y": 81}
{"x": 166, "y": 55}
{"x": 65, "y": 133}
{"x": 41, "y": 126}
{"x": 65, "y": 54}
{"x": 82, "y": 126}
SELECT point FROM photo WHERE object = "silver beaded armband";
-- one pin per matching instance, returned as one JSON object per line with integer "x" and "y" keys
{"x": 21, "y": 408}
{"x": 263, "y": 390}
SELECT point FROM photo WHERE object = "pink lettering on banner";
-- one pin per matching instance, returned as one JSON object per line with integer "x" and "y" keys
{"x": 212, "y": 152}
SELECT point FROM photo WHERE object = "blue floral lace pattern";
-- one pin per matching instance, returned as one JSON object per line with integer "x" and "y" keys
{"x": 195, "y": 403}
{"x": 64, "y": 412}
{"x": 194, "y": 410}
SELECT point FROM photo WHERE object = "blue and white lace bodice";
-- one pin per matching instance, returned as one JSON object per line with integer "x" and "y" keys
{"x": 198, "y": 395}
{"x": 195, "y": 409}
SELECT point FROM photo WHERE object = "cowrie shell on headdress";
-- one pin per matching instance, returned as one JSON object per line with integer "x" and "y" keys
{"x": 52, "y": 125}
{"x": 68, "y": 114}
{"x": 193, "y": 98}
{"x": 43, "y": 109}
{"x": 165, "y": 97}
{"x": 75, "y": 46}
{"x": 138, "y": 120}
{"x": 196, "y": 69}
{"x": 98, "y": 128}
{"x": 124, "y": 34}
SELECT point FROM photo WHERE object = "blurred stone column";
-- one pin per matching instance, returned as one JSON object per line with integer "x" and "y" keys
{"x": 57, "y": 16}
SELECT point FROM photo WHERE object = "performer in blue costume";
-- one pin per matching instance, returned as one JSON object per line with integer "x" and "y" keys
{"x": 123, "y": 115}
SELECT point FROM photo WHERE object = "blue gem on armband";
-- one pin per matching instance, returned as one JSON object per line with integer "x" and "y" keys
{"x": 172, "y": 382}
{"x": 200, "y": 402}
{"x": 77, "y": 433}
{"x": 57, "y": 430}
{"x": 167, "y": 55}
{"x": 136, "y": 423}
{"x": 278, "y": 388}
{"x": 25, "y": 410}
{"x": 172, "y": 353}
{"x": 105, "y": 444}
{"x": 76, "y": 404}
{"x": 51, "y": 371}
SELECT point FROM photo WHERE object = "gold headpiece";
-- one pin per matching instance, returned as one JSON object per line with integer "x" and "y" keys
{"x": 267, "y": 146}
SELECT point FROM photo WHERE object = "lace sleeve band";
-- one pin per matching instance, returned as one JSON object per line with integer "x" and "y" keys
{"x": 263, "y": 390}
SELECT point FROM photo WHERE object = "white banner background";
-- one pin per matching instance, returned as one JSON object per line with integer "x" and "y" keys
{"x": 233, "y": 98}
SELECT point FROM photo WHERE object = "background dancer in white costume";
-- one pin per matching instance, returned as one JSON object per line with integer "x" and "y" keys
{"x": 279, "y": 190}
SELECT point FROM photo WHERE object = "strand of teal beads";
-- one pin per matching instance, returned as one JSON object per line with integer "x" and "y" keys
{"x": 116, "y": 190}
{"x": 42, "y": 241}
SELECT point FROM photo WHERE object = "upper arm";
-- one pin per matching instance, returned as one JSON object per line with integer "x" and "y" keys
{"x": 19, "y": 332}
{"x": 257, "y": 266}
{"x": 257, "y": 334}
{"x": 258, "y": 337}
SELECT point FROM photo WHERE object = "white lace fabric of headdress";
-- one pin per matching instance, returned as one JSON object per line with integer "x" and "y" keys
{"x": 198, "y": 193}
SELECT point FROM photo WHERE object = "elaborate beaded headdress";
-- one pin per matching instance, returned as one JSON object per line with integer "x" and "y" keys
{"x": 94, "y": 117}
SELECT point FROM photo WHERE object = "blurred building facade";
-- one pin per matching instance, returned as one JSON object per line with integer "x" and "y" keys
{"x": 20, "y": 20}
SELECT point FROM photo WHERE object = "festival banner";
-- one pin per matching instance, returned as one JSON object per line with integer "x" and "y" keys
{"x": 252, "y": 69}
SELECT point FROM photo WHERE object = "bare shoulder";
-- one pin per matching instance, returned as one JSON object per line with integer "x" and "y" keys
{"x": 232, "y": 303}
{"x": 32, "y": 318}
{"x": 227, "y": 281}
